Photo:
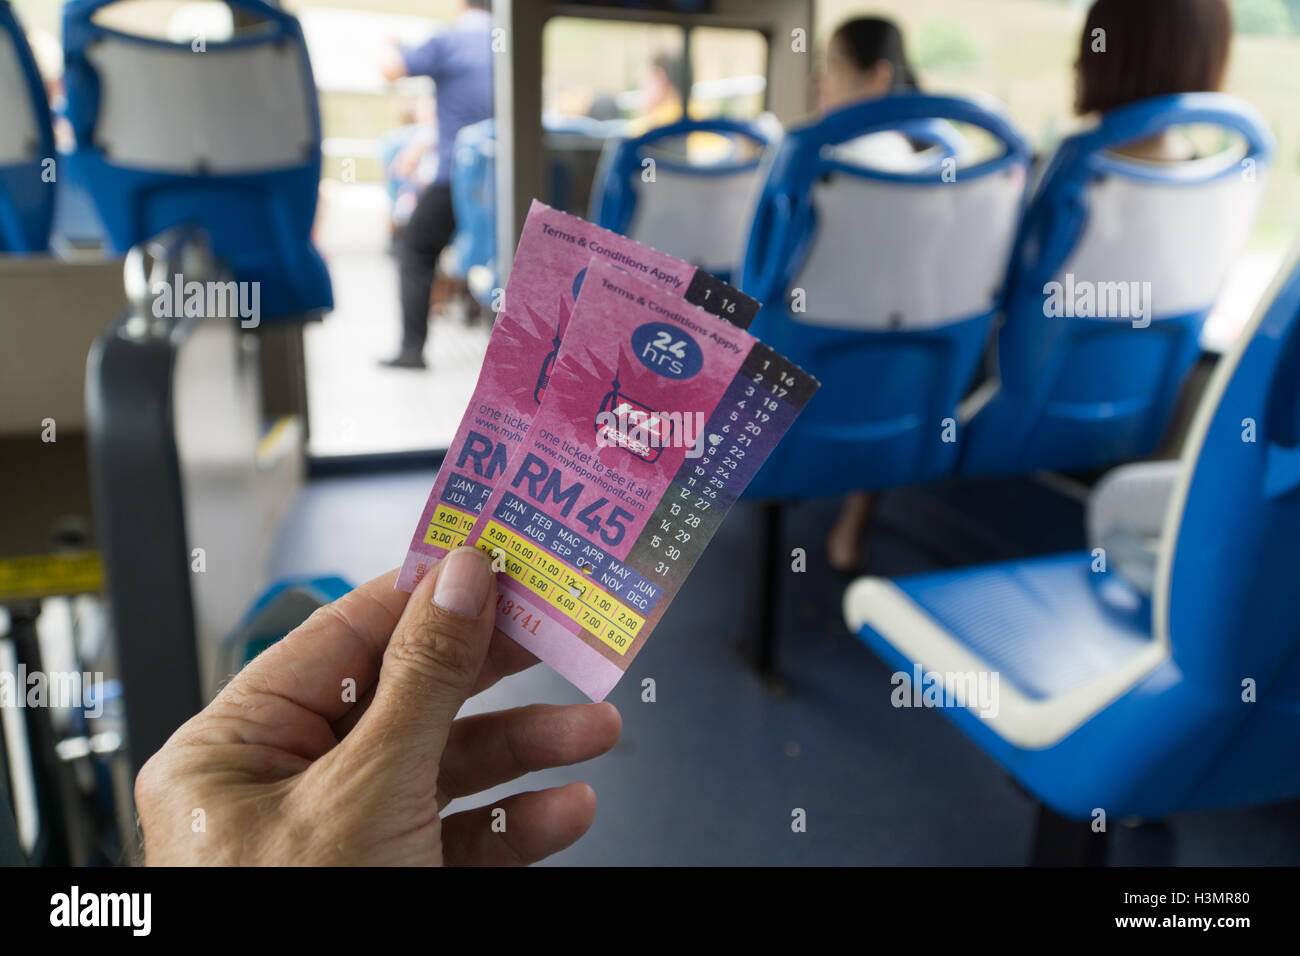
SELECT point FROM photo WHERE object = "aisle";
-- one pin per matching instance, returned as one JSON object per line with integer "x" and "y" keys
{"x": 356, "y": 406}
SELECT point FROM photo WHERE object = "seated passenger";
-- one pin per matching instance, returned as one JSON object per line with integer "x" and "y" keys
{"x": 1127, "y": 52}
{"x": 865, "y": 60}
{"x": 1135, "y": 51}
{"x": 662, "y": 98}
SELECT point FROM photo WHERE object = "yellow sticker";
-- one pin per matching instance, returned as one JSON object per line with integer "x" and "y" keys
{"x": 448, "y": 528}
{"x": 47, "y": 575}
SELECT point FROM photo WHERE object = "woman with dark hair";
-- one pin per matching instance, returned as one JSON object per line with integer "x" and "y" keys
{"x": 865, "y": 60}
{"x": 1134, "y": 51}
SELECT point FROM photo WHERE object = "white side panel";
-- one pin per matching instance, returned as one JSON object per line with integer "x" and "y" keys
{"x": 908, "y": 256}
{"x": 234, "y": 109}
{"x": 1133, "y": 496}
{"x": 1125, "y": 517}
{"x": 19, "y": 136}
{"x": 1181, "y": 239}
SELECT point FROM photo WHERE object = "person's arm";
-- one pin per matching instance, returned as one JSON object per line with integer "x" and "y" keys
{"x": 423, "y": 60}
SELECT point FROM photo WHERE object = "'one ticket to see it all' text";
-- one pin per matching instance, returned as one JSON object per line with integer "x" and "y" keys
{"x": 656, "y": 417}
{"x": 549, "y": 269}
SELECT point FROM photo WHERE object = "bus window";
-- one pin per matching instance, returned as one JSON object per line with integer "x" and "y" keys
{"x": 728, "y": 73}
{"x": 604, "y": 71}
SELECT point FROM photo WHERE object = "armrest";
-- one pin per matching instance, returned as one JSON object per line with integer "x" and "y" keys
{"x": 1126, "y": 514}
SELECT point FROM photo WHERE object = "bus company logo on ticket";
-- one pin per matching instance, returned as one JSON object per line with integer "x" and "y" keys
{"x": 625, "y": 423}
{"x": 667, "y": 350}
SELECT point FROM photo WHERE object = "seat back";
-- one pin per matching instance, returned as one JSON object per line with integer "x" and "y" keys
{"x": 1117, "y": 266}
{"x": 227, "y": 138}
{"x": 883, "y": 285}
{"x": 692, "y": 203}
{"x": 26, "y": 144}
{"x": 1225, "y": 596}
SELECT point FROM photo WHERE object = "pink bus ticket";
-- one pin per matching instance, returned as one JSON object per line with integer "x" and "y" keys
{"x": 548, "y": 272}
{"x": 656, "y": 418}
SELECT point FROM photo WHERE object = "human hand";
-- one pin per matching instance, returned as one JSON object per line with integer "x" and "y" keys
{"x": 392, "y": 65}
{"x": 286, "y": 767}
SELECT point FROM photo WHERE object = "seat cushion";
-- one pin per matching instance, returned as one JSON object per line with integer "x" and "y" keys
{"x": 1063, "y": 641}
{"x": 1047, "y": 626}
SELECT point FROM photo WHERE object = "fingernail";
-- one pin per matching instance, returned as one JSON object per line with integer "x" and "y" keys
{"x": 463, "y": 582}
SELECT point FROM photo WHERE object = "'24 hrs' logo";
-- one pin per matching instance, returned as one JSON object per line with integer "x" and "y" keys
{"x": 667, "y": 350}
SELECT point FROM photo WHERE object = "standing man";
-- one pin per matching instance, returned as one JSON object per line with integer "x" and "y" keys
{"x": 460, "y": 61}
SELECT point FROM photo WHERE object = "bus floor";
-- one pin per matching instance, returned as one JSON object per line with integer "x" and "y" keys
{"x": 712, "y": 771}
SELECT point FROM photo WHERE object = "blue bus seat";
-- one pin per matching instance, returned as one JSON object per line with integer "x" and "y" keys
{"x": 696, "y": 206}
{"x": 228, "y": 139}
{"x": 27, "y": 195}
{"x": 76, "y": 221}
{"x": 286, "y": 603}
{"x": 1188, "y": 701}
{"x": 472, "y": 252}
{"x": 883, "y": 284}
{"x": 1076, "y": 392}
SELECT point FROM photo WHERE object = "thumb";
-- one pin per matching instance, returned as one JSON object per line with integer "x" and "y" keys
{"x": 432, "y": 660}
